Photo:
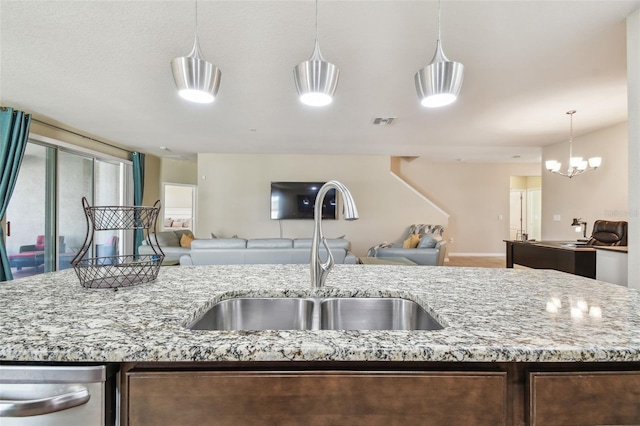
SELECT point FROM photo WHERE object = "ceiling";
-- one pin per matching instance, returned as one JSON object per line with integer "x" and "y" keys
{"x": 103, "y": 67}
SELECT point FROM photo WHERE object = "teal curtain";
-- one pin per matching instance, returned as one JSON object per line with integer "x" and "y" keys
{"x": 14, "y": 133}
{"x": 138, "y": 191}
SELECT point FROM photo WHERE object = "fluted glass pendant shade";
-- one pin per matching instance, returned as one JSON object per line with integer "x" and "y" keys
{"x": 196, "y": 79}
{"x": 439, "y": 83}
{"x": 316, "y": 79}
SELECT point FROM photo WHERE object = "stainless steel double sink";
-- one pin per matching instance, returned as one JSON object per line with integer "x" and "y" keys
{"x": 308, "y": 313}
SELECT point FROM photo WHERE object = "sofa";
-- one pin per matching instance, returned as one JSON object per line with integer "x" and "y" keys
{"x": 422, "y": 256}
{"x": 169, "y": 242}
{"x": 174, "y": 224}
{"x": 423, "y": 244}
{"x": 233, "y": 251}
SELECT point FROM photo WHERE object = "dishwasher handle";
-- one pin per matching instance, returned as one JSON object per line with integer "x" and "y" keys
{"x": 36, "y": 407}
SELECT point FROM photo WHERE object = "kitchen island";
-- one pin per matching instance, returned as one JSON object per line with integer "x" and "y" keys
{"x": 517, "y": 346}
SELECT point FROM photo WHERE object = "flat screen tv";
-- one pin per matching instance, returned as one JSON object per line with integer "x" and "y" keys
{"x": 296, "y": 200}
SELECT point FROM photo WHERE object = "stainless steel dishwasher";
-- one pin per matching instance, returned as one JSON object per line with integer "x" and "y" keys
{"x": 57, "y": 395}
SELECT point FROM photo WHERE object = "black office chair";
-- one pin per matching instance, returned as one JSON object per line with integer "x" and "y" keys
{"x": 608, "y": 233}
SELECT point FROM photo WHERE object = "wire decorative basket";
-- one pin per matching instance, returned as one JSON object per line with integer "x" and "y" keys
{"x": 118, "y": 270}
{"x": 122, "y": 217}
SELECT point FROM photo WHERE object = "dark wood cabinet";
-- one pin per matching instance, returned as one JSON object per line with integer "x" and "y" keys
{"x": 316, "y": 398}
{"x": 380, "y": 393}
{"x": 584, "y": 398}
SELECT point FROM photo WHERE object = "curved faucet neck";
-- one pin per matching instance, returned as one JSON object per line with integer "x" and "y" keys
{"x": 319, "y": 268}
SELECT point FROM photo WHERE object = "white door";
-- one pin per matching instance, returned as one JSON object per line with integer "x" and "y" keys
{"x": 517, "y": 213}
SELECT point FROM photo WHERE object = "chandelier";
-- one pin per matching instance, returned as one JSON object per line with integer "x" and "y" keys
{"x": 577, "y": 165}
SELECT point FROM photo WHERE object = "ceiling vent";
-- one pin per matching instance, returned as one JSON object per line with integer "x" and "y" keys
{"x": 381, "y": 121}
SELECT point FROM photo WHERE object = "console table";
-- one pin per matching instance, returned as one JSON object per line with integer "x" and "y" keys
{"x": 561, "y": 256}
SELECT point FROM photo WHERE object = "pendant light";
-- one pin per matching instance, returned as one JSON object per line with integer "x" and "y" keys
{"x": 316, "y": 79}
{"x": 197, "y": 79}
{"x": 439, "y": 83}
{"x": 577, "y": 165}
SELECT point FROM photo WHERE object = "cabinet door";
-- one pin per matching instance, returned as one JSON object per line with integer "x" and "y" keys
{"x": 316, "y": 398}
{"x": 590, "y": 398}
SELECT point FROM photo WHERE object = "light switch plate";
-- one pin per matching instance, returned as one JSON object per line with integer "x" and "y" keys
{"x": 556, "y": 218}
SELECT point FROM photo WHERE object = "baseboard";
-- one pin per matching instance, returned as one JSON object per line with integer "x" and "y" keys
{"x": 476, "y": 254}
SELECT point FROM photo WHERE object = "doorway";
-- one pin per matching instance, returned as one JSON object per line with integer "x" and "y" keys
{"x": 179, "y": 206}
{"x": 525, "y": 207}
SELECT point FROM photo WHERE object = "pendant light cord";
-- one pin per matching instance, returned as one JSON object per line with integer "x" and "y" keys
{"x": 316, "y": 20}
{"x": 439, "y": 30}
{"x": 570, "y": 135}
{"x": 196, "y": 17}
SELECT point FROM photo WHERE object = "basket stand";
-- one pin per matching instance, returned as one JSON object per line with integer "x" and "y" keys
{"x": 123, "y": 270}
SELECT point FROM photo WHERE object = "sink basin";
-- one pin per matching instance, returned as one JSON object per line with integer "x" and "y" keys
{"x": 248, "y": 313}
{"x": 298, "y": 313}
{"x": 374, "y": 314}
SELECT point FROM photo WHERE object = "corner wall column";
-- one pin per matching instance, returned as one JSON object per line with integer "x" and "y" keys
{"x": 633, "y": 96}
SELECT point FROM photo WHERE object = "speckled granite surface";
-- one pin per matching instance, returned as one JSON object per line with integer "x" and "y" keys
{"x": 488, "y": 314}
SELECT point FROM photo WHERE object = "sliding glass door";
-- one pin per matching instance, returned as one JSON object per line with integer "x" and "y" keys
{"x": 45, "y": 218}
{"x": 29, "y": 239}
{"x": 110, "y": 190}
{"x": 75, "y": 180}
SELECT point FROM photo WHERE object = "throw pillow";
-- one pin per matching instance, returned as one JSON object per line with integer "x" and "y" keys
{"x": 411, "y": 242}
{"x": 427, "y": 242}
{"x": 415, "y": 229}
{"x": 185, "y": 240}
{"x": 168, "y": 222}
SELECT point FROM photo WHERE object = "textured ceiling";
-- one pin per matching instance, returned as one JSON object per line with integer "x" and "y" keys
{"x": 103, "y": 67}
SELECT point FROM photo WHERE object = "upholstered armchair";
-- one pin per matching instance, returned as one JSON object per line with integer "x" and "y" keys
{"x": 608, "y": 233}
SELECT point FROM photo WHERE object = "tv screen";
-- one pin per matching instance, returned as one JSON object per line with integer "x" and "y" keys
{"x": 296, "y": 200}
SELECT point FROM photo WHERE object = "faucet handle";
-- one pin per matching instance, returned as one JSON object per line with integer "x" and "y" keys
{"x": 330, "y": 261}
{"x": 324, "y": 267}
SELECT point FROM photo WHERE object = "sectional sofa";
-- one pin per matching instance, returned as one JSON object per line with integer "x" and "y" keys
{"x": 169, "y": 241}
{"x": 231, "y": 251}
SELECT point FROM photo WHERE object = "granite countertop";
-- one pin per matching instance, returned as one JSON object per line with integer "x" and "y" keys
{"x": 489, "y": 315}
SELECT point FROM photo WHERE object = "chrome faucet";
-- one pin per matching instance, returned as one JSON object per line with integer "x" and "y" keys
{"x": 320, "y": 269}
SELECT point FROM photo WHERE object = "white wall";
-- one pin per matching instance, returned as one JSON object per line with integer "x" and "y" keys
{"x": 474, "y": 194}
{"x": 178, "y": 171}
{"x": 234, "y": 194}
{"x": 179, "y": 197}
{"x": 599, "y": 194}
